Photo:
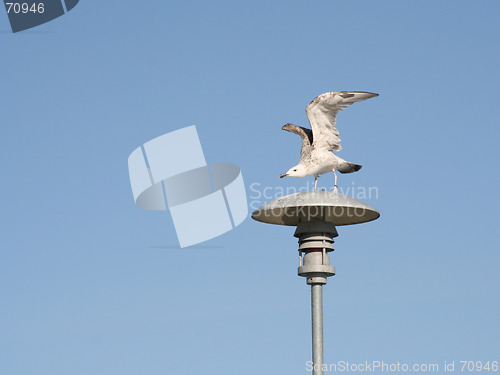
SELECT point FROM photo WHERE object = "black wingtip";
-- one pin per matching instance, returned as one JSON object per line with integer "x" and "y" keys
{"x": 349, "y": 168}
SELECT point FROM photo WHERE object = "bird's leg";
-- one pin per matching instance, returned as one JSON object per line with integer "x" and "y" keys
{"x": 315, "y": 182}
{"x": 335, "y": 187}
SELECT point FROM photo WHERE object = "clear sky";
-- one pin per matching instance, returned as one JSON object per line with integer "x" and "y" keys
{"x": 91, "y": 284}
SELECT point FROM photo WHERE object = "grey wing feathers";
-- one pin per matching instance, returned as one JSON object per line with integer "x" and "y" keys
{"x": 322, "y": 114}
{"x": 305, "y": 134}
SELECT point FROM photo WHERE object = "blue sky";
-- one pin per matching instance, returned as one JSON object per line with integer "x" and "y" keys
{"x": 91, "y": 284}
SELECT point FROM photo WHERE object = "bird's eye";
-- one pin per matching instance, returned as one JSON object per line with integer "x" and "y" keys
{"x": 295, "y": 170}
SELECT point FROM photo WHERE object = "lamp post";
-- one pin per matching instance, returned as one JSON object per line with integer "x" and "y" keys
{"x": 316, "y": 214}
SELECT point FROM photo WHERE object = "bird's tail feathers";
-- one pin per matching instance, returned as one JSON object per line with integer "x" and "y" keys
{"x": 349, "y": 167}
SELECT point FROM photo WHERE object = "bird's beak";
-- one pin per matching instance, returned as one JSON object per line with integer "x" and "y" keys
{"x": 283, "y": 175}
{"x": 359, "y": 96}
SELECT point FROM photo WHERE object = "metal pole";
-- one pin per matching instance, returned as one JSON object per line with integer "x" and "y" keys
{"x": 316, "y": 213}
{"x": 317, "y": 328}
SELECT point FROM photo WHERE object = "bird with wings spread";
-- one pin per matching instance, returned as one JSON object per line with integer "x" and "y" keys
{"x": 316, "y": 156}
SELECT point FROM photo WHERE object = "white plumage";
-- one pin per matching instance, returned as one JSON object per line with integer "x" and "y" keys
{"x": 316, "y": 156}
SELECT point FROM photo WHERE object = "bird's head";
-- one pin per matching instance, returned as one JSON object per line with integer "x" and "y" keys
{"x": 297, "y": 171}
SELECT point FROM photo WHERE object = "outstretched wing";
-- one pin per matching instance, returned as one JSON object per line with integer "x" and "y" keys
{"x": 322, "y": 114}
{"x": 305, "y": 134}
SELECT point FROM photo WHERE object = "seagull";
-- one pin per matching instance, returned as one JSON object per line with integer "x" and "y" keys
{"x": 316, "y": 156}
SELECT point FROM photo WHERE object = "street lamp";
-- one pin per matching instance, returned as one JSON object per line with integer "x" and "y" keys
{"x": 316, "y": 214}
